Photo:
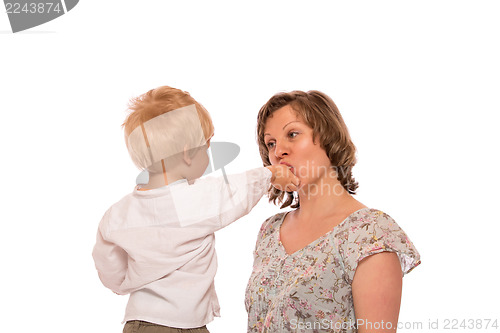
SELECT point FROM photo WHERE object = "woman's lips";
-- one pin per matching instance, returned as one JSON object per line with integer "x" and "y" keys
{"x": 290, "y": 166}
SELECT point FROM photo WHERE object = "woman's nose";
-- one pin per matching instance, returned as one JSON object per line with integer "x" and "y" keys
{"x": 281, "y": 150}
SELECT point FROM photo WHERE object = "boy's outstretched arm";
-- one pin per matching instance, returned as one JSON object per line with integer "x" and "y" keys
{"x": 212, "y": 203}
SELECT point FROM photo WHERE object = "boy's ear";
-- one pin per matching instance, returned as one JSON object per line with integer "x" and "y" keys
{"x": 186, "y": 157}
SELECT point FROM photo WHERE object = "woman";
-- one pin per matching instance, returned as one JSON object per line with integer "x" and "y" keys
{"x": 332, "y": 264}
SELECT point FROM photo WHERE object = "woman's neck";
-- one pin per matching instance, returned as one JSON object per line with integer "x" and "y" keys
{"x": 325, "y": 198}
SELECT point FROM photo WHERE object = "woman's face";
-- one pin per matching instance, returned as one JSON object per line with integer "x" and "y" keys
{"x": 289, "y": 141}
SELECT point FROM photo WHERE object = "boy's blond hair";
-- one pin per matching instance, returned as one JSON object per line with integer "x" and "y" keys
{"x": 172, "y": 134}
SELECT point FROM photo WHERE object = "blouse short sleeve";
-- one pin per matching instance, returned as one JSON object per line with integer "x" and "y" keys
{"x": 375, "y": 232}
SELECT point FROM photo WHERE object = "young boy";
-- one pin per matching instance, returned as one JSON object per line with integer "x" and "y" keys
{"x": 157, "y": 243}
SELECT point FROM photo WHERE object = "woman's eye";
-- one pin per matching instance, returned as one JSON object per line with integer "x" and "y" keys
{"x": 270, "y": 145}
{"x": 293, "y": 134}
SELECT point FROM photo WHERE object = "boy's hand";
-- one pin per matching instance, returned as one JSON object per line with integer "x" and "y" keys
{"x": 283, "y": 178}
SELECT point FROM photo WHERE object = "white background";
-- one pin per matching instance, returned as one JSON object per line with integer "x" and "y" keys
{"x": 417, "y": 83}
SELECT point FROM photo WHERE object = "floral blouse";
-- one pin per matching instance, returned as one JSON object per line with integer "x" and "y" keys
{"x": 310, "y": 290}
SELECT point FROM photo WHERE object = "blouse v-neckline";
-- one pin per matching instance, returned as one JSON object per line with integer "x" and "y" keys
{"x": 317, "y": 240}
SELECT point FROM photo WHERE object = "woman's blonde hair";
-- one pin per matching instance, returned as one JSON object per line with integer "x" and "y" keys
{"x": 167, "y": 134}
{"x": 321, "y": 114}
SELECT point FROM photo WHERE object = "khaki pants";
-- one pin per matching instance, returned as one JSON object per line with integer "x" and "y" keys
{"x": 138, "y": 326}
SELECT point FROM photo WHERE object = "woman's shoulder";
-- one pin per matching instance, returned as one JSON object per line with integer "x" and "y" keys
{"x": 365, "y": 223}
{"x": 371, "y": 231}
{"x": 271, "y": 224}
{"x": 367, "y": 217}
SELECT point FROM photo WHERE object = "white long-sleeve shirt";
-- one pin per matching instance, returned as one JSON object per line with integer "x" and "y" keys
{"x": 158, "y": 245}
